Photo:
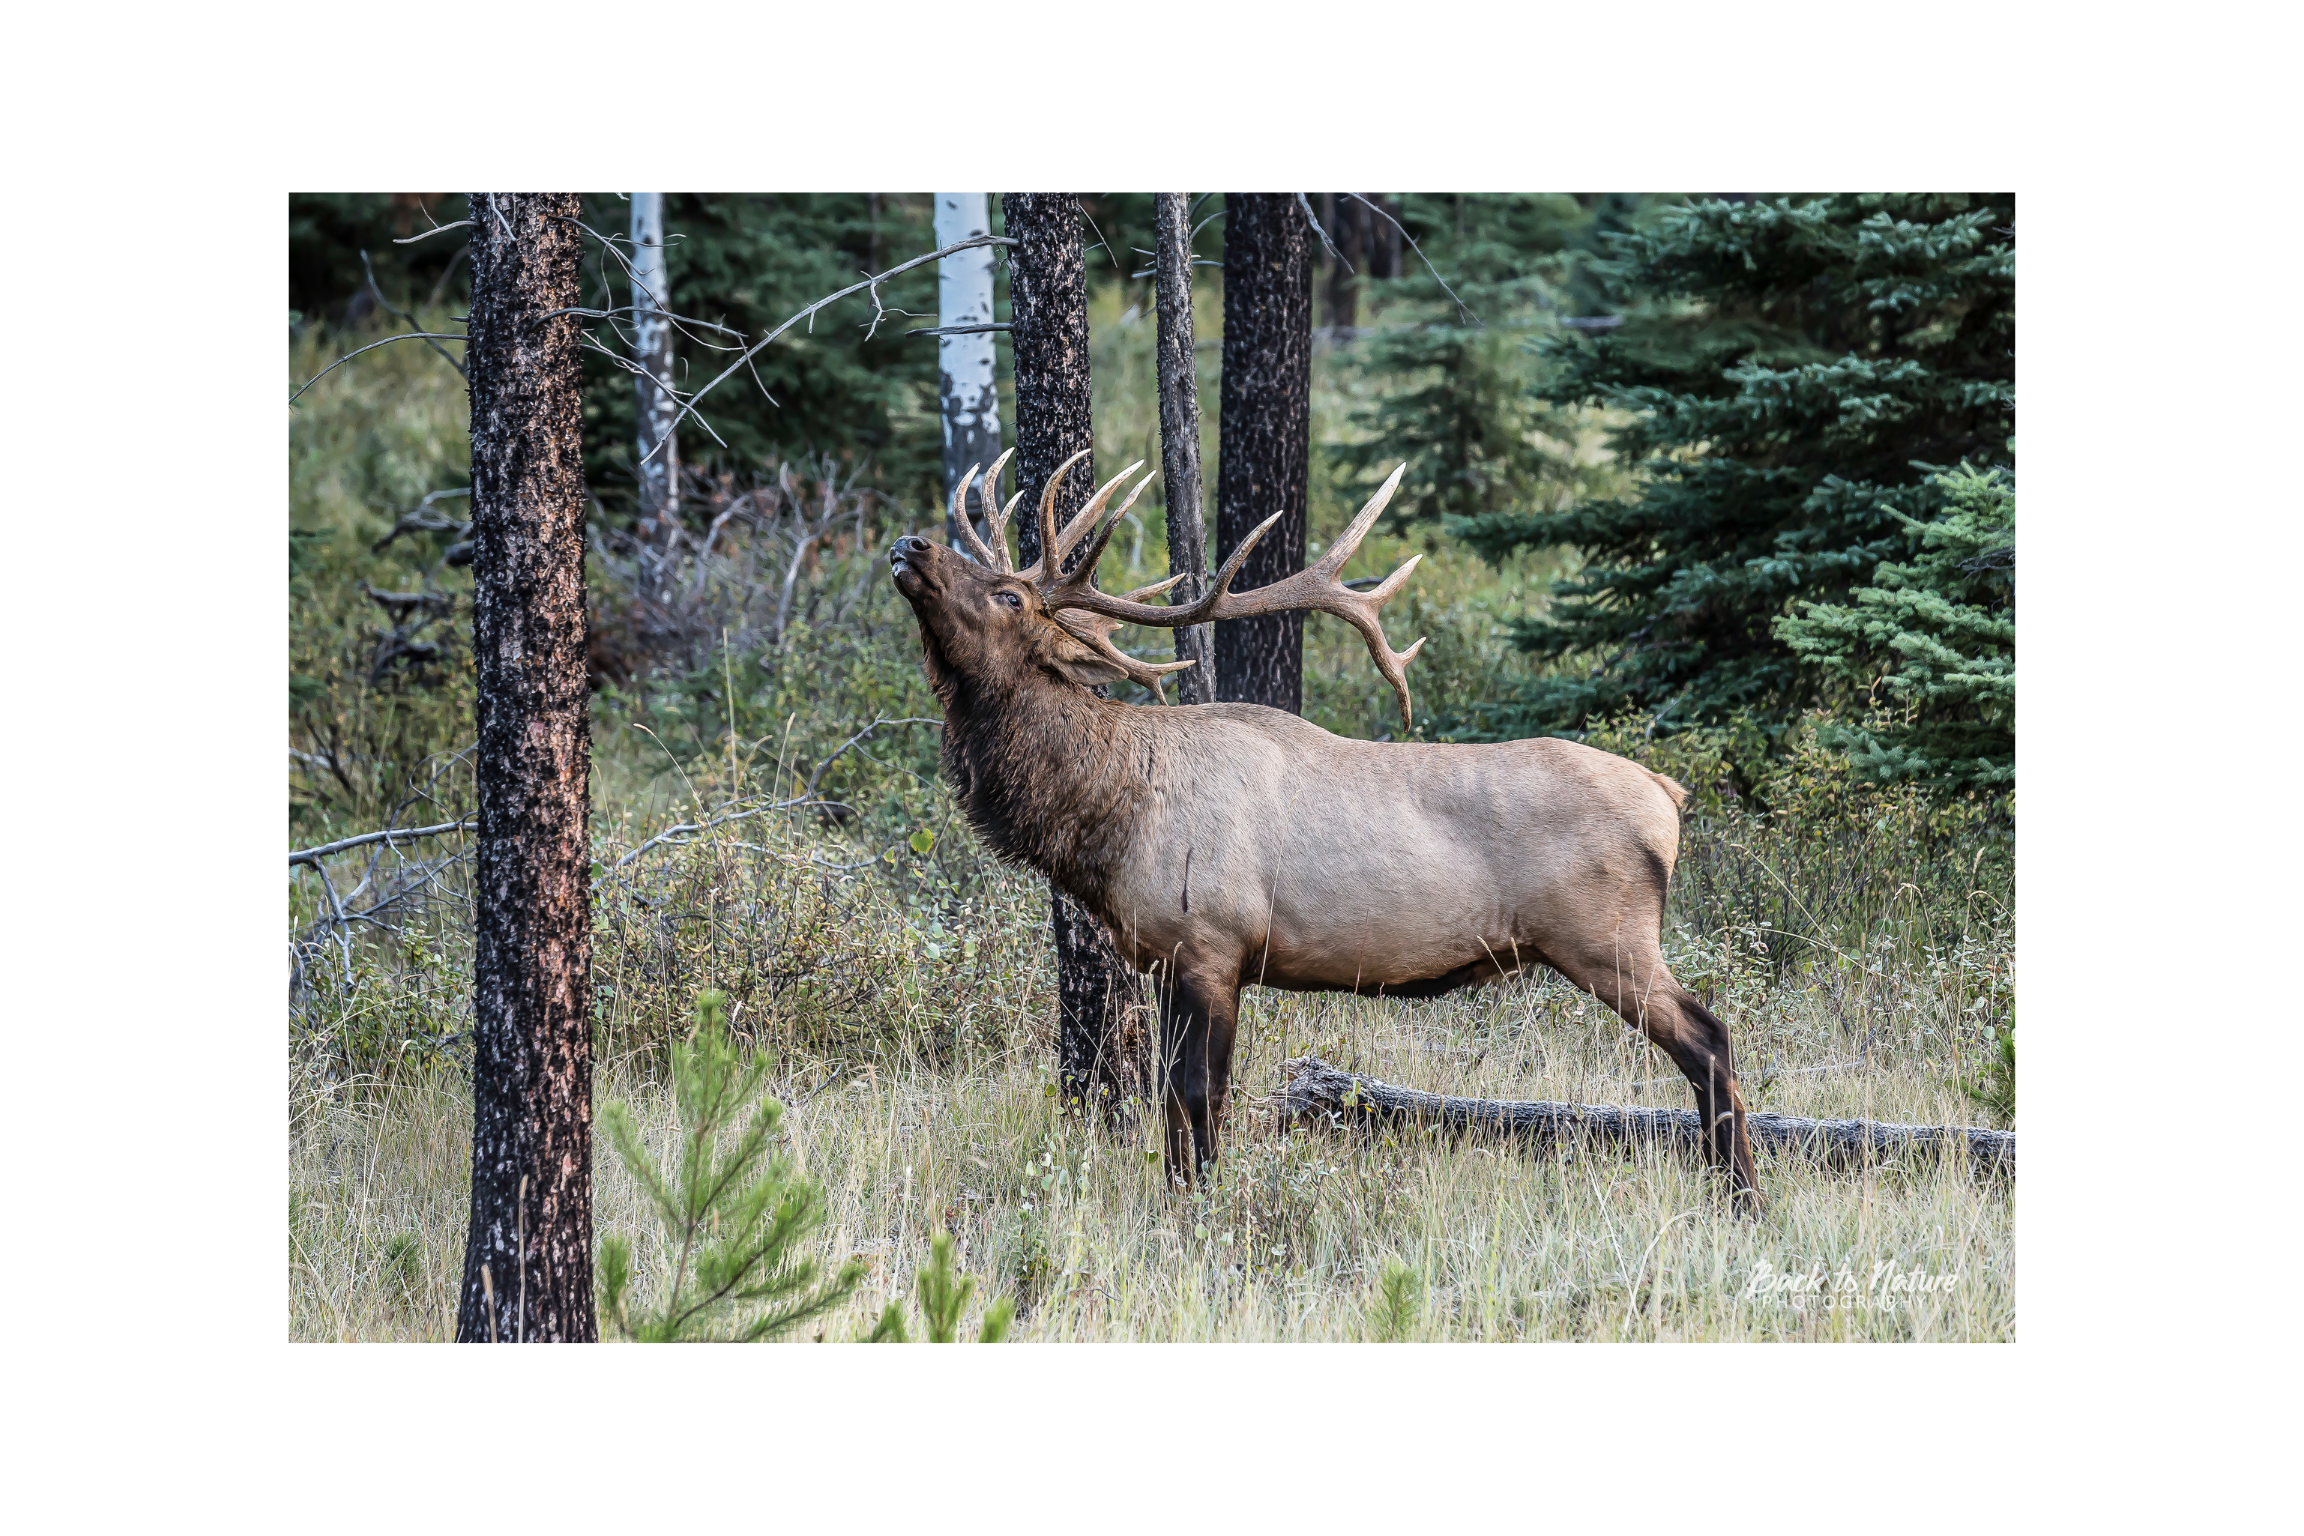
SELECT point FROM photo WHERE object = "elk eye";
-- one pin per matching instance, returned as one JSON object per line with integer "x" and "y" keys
{"x": 1011, "y": 599}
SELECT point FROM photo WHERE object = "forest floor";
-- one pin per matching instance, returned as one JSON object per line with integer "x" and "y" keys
{"x": 920, "y": 1096}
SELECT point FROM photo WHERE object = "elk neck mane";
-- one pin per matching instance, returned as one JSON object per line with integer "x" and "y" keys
{"x": 1048, "y": 773}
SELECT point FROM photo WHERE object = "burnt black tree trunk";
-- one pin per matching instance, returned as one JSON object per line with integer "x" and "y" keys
{"x": 1383, "y": 235}
{"x": 1180, "y": 441}
{"x": 1264, "y": 442}
{"x": 1346, "y": 219}
{"x": 528, "y": 1255}
{"x": 1048, "y": 294}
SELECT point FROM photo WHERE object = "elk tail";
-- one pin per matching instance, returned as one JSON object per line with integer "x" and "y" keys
{"x": 1673, "y": 789}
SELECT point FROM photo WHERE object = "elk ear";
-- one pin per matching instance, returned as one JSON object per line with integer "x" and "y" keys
{"x": 1082, "y": 665}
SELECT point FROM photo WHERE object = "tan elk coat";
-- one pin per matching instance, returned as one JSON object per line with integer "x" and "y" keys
{"x": 1229, "y": 844}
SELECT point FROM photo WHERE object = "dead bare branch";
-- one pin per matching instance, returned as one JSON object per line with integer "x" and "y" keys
{"x": 738, "y": 810}
{"x": 1314, "y": 1092}
{"x": 437, "y": 229}
{"x": 419, "y": 518}
{"x": 688, "y": 407}
{"x": 1466, "y": 309}
{"x": 1326, "y": 244}
{"x": 391, "y": 836}
{"x": 372, "y": 346}
{"x": 397, "y": 313}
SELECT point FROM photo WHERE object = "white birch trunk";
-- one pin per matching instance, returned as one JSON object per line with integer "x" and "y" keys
{"x": 652, "y": 350}
{"x": 971, "y": 399}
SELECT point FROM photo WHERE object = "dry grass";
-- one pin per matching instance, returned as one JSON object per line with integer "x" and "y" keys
{"x": 951, "y": 1123}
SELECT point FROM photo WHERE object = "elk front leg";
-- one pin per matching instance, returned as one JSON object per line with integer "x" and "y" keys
{"x": 1198, "y": 1013}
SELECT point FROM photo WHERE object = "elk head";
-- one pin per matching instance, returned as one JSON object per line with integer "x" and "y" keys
{"x": 987, "y": 619}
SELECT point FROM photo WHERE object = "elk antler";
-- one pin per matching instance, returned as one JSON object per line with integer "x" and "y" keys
{"x": 992, "y": 550}
{"x": 996, "y": 554}
{"x": 1047, "y": 568}
{"x": 1046, "y": 574}
{"x": 1315, "y": 588}
{"x": 1096, "y": 633}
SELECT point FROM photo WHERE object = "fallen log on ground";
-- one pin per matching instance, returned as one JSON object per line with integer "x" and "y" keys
{"x": 1315, "y": 1091}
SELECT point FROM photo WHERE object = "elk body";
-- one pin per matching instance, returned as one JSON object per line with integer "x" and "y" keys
{"x": 1230, "y": 844}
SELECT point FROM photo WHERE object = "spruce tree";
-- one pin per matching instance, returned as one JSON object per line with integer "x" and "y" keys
{"x": 1797, "y": 370}
{"x": 1933, "y": 641}
{"x": 1456, "y": 384}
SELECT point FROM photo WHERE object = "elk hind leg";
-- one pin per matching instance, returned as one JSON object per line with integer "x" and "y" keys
{"x": 1709, "y": 1063}
{"x": 1646, "y": 995}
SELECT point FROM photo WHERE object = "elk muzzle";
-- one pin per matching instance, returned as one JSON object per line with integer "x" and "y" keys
{"x": 910, "y": 559}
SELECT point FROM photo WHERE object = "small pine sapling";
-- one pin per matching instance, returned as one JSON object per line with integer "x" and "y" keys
{"x": 944, "y": 1293}
{"x": 1399, "y": 1302}
{"x": 736, "y": 1222}
{"x": 404, "y": 1264}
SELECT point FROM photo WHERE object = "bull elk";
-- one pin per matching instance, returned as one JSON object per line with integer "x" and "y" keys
{"x": 1227, "y": 844}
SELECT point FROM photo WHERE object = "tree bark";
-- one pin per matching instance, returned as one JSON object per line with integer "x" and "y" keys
{"x": 1318, "y": 1093}
{"x": 1180, "y": 441}
{"x": 1264, "y": 442}
{"x": 652, "y": 351}
{"x": 965, "y": 364}
{"x": 528, "y": 1253}
{"x": 1048, "y": 295}
{"x": 1383, "y": 237}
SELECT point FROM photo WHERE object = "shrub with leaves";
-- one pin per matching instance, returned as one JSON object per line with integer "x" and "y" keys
{"x": 1995, "y": 1086}
{"x": 1806, "y": 853}
{"x": 737, "y": 1220}
{"x": 944, "y": 1293}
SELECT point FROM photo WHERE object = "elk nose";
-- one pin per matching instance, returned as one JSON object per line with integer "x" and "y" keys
{"x": 911, "y": 544}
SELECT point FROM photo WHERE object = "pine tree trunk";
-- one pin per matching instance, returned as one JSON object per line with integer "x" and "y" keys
{"x": 652, "y": 351}
{"x": 1348, "y": 231}
{"x": 1383, "y": 237}
{"x": 1048, "y": 293}
{"x": 1264, "y": 443}
{"x": 1180, "y": 441}
{"x": 965, "y": 373}
{"x": 528, "y": 1255}
{"x": 1326, "y": 261}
